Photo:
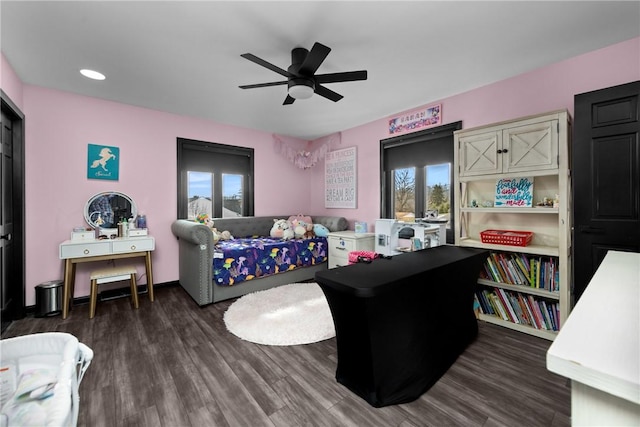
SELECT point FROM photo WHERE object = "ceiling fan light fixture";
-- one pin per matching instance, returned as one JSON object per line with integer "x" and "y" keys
{"x": 301, "y": 88}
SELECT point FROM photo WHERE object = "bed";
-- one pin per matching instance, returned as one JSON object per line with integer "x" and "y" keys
{"x": 241, "y": 272}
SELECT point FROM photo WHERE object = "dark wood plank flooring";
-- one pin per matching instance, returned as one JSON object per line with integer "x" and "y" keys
{"x": 172, "y": 363}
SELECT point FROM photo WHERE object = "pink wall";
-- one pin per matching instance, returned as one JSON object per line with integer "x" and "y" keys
{"x": 545, "y": 89}
{"x": 60, "y": 125}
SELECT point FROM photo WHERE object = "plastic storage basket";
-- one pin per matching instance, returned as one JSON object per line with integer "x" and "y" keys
{"x": 506, "y": 237}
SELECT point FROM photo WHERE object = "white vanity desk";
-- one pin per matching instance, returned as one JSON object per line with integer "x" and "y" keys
{"x": 598, "y": 347}
{"x": 77, "y": 251}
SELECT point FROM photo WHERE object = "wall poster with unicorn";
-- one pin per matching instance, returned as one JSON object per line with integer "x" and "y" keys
{"x": 103, "y": 162}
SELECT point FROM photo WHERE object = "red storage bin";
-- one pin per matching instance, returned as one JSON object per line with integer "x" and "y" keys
{"x": 506, "y": 237}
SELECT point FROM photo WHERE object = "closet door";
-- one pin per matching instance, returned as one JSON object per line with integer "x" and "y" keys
{"x": 606, "y": 177}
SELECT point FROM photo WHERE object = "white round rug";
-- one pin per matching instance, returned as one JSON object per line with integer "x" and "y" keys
{"x": 286, "y": 315}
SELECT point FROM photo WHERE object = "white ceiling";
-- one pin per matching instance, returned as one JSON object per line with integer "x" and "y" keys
{"x": 184, "y": 57}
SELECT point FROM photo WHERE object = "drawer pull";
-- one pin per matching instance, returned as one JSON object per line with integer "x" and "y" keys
{"x": 133, "y": 247}
{"x": 86, "y": 251}
{"x": 341, "y": 248}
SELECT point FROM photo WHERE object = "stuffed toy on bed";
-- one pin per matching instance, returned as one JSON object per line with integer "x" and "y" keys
{"x": 281, "y": 229}
{"x": 320, "y": 230}
{"x": 302, "y": 229}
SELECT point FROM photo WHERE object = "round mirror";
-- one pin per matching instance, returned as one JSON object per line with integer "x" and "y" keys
{"x": 106, "y": 209}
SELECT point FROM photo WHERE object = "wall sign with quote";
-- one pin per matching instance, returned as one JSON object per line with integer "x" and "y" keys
{"x": 514, "y": 192}
{"x": 340, "y": 178}
{"x": 103, "y": 162}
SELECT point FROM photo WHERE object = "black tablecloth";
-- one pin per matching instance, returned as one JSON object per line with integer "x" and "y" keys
{"x": 401, "y": 322}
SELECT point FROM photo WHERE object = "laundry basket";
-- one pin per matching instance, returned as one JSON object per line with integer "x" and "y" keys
{"x": 40, "y": 376}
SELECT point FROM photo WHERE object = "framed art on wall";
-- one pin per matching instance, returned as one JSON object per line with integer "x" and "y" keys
{"x": 103, "y": 162}
{"x": 340, "y": 178}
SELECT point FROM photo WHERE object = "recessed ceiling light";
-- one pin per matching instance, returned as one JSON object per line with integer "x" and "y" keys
{"x": 92, "y": 74}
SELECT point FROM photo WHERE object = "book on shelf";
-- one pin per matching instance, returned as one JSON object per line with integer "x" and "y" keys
{"x": 522, "y": 270}
{"x": 517, "y": 308}
{"x": 507, "y": 305}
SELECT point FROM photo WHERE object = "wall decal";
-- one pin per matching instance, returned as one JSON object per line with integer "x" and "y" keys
{"x": 103, "y": 162}
{"x": 306, "y": 157}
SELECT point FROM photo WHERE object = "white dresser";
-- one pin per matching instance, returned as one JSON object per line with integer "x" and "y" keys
{"x": 78, "y": 251}
{"x": 343, "y": 242}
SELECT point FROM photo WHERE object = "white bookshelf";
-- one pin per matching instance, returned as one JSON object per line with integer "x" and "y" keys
{"x": 536, "y": 147}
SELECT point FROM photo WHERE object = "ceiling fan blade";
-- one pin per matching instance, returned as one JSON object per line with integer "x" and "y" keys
{"x": 288, "y": 100}
{"x": 313, "y": 60}
{"x": 328, "y": 93}
{"x": 266, "y": 64}
{"x": 263, "y": 85}
{"x": 349, "y": 76}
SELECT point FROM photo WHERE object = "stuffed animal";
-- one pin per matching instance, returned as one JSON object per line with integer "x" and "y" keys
{"x": 299, "y": 228}
{"x": 281, "y": 229}
{"x": 209, "y": 223}
{"x": 320, "y": 230}
{"x": 309, "y": 233}
{"x": 226, "y": 235}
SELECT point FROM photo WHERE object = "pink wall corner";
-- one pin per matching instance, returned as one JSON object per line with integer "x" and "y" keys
{"x": 57, "y": 187}
{"x": 546, "y": 89}
{"x": 10, "y": 83}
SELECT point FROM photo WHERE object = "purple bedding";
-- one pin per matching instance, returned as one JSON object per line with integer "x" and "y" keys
{"x": 249, "y": 258}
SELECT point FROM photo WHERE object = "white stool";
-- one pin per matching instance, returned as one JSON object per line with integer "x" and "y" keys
{"x": 108, "y": 275}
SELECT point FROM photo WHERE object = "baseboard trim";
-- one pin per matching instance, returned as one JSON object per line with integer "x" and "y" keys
{"x": 124, "y": 292}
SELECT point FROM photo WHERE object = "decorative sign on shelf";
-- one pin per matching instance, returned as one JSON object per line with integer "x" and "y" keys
{"x": 514, "y": 192}
{"x": 416, "y": 120}
{"x": 103, "y": 162}
{"x": 340, "y": 178}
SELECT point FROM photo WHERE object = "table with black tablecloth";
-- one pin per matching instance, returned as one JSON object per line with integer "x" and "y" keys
{"x": 402, "y": 322}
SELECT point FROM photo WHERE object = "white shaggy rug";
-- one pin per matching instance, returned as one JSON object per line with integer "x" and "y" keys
{"x": 286, "y": 315}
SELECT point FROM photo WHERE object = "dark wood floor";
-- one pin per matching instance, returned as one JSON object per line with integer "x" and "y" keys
{"x": 172, "y": 363}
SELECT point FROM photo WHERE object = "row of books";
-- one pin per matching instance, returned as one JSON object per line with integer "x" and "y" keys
{"x": 522, "y": 269}
{"x": 519, "y": 308}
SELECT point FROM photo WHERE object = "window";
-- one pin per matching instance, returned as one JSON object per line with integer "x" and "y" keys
{"x": 417, "y": 175}
{"x": 438, "y": 190}
{"x": 214, "y": 179}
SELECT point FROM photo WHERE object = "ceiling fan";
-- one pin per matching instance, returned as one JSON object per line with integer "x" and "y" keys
{"x": 301, "y": 80}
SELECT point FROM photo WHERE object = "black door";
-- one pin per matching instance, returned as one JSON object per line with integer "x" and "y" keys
{"x": 11, "y": 213}
{"x": 606, "y": 178}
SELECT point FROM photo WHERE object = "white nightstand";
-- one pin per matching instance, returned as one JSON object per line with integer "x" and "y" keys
{"x": 343, "y": 242}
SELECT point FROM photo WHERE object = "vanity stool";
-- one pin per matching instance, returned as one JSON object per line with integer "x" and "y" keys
{"x": 109, "y": 275}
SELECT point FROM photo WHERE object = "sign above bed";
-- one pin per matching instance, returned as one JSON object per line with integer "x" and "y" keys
{"x": 340, "y": 179}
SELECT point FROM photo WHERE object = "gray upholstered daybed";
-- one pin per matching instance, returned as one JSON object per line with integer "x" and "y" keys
{"x": 196, "y": 252}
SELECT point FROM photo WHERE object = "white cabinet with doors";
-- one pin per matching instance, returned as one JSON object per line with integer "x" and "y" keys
{"x": 535, "y": 147}
{"x": 527, "y": 145}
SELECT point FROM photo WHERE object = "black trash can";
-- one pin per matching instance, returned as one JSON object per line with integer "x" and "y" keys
{"x": 49, "y": 298}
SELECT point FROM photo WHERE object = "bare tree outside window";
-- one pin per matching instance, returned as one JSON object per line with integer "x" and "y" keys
{"x": 404, "y": 192}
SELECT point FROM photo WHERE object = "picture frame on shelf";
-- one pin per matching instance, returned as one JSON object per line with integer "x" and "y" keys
{"x": 514, "y": 192}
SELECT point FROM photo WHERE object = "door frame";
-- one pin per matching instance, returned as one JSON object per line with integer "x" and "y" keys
{"x": 18, "y": 292}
